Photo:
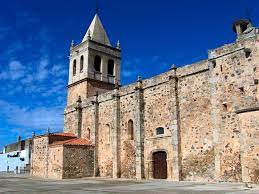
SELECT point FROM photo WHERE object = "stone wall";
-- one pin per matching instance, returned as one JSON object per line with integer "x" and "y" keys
{"x": 233, "y": 75}
{"x": 71, "y": 117}
{"x": 105, "y": 155}
{"x": 40, "y": 157}
{"x": 55, "y": 162}
{"x": 248, "y": 123}
{"x": 127, "y": 144}
{"x": 52, "y": 158}
{"x": 95, "y": 86}
{"x": 76, "y": 90}
{"x": 70, "y": 121}
{"x": 78, "y": 161}
{"x": 157, "y": 98}
{"x": 204, "y": 109}
{"x": 195, "y": 123}
{"x": 88, "y": 129}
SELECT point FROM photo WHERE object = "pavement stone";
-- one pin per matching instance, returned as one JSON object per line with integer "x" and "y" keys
{"x": 11, "y": 183}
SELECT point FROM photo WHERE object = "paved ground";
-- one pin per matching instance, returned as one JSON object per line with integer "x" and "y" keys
{"x": 10, "y": 183}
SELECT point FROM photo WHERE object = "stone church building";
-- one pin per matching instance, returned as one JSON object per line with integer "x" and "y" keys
{"x": 198, "y": 122}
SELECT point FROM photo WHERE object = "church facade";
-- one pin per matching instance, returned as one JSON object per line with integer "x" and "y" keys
{"x": 199, "y": 122}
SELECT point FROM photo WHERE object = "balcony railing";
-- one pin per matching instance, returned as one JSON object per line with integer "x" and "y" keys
{"x": 111, "y": 79}
{"x": 97, "y": 75}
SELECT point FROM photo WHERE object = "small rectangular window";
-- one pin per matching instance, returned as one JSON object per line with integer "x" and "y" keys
{"x": 159, "y": 131}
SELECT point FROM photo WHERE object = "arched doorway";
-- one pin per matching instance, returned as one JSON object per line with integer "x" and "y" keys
{"x": 159, "y": 165}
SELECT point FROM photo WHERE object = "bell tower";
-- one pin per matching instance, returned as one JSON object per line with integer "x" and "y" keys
{"x": 94, "y": 64}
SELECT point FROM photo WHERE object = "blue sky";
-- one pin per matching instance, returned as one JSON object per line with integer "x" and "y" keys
{"x": 35, "y": 38}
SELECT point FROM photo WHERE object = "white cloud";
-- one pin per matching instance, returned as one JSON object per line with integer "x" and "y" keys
{"x": 3, "y": 75}
{"x": 15, "y": 71}
{"x": 30, "y": 78}
{"x": 35, "y": 118}
{"x": 54, "y": 90}
{"x": 59, "y": 70}
{"x": 42, "y": 71}
{"x": 27, "y": 79}
{"x": 14, "y": 89}
{"x": 128, "y": 73}
{"x": 34, "y": 88}
{"x": 59, "y": 81}
{"x": 129, "y": 69}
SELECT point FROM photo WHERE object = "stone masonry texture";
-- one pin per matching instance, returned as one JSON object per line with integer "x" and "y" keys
{"x": 201, "y": 121}
{"x": 54, "y": 160}
{"x": 216, "y": 116}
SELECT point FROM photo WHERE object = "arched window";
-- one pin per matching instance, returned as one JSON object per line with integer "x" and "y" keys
{"x": 81, "y": 63}
{"x": 74, "y": 68}
{"x": 159, "y": 131}
{"x": 88, "y": 133}
{"x": 110, "y": 67}
{"x": 107, "y": 133}
{"x": 130, "y": 130}
{"x": 97, "y": 63}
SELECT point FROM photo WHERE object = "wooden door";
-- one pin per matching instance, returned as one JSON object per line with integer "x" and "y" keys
{"x": 159, "y": 165}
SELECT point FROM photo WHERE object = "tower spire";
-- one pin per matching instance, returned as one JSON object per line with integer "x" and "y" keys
{"x": 97, "y": 32}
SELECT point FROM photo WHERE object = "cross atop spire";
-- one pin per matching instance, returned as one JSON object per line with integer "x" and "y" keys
{"x": 96, "y": 7}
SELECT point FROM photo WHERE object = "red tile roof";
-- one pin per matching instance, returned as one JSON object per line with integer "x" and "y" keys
{"x": 64, "y": 134}
{"x": 76, "y": 141}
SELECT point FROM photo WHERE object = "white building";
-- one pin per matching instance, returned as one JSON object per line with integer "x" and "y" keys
{"x": 16, "y": 157}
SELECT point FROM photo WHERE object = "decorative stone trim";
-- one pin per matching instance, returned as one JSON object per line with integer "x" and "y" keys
{"x": 251, "y": 109}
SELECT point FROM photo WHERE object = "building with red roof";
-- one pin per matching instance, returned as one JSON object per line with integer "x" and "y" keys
{"x": 62, "y": 155}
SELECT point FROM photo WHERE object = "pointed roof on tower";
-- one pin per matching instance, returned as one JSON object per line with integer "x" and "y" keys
{"x": 97, "y": 32}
